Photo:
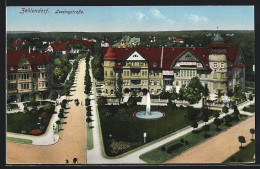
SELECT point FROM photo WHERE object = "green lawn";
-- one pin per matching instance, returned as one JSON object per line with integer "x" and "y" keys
{"x": 18, "y": 140}
{"x": 250, "y": 108}
{"x": 12, "y": 106}
{"x": 90, "y": 144}
{"x": 126, "y": 130}
{"x": 29, "y": 120}
{"x": 159, "y": 155}
{"x": 243, "y": 155}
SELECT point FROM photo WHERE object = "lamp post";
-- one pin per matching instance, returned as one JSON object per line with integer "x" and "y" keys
{"x": 144, "y": 138}
{"x": 53, "y": 127}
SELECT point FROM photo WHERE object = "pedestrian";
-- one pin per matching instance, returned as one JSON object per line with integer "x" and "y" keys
{"x": 67, "y": 161}
{"x": 75, "y": 160}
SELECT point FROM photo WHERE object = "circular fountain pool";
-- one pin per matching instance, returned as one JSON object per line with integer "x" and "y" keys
{"x": 154, "y": 115}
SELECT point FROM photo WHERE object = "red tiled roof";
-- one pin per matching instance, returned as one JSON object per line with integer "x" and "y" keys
{"x": 58, "y": 45}
{"x": 86, "y": 43}
{"x": 222, "y": 51}
{"x": 35, "y": 58}
{"x": 17, "y": 42}
{"x": 153, "y": 54}
{"x": 110, "y": 54}
{"x": 218, "y": 44}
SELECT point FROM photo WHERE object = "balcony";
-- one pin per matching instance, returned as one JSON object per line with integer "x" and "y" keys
{"x": 221, "y": 70}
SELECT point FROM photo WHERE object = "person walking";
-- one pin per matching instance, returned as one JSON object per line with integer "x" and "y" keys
{"x": 67, "y": 161}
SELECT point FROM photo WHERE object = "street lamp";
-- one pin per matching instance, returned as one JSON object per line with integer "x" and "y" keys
{"x": 53, "y": 127}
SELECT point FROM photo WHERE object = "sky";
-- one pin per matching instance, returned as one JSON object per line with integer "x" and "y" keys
{"x": 131, "y": 18}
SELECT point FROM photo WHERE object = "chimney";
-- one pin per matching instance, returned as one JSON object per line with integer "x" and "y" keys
{"x": 29, "y": 49}
{"x": 162, "y": 56}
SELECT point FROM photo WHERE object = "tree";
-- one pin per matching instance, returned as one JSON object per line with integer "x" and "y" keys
{"x": 205, "y": 115}
{"x": 58, "y": 124}
{"x": 181, "y": 92}
{"x": 219, "y": 96}
{"x": 173, "y": 94}
{"x": 88, "y": 120}
{"x": 225, "y": 110}
{"x": 241, "y": 139}
{"x": 250, "y": 98}
{"x": 206, "y": 128}
{"x": 192, "y": 114}
{"x": 194, "y": 124}
{"x": 193, "y": 91}
{"x": 61, "y": 115}
{"x": 217, "y": 122}
{"x": 205, "y": 94}
{"x": 252, "y": 131}
{"x": 227, "y": 119}
{"x": 54, "y": 95}
{"x": 118, "y": 91}
{"x": 230, "y": 93}
{"x": 49, "y": 108}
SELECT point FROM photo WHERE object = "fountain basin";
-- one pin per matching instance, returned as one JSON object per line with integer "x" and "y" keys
{"x": 154, "y": 115}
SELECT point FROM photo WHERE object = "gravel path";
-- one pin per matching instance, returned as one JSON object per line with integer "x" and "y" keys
{"x": 218, "y": 148}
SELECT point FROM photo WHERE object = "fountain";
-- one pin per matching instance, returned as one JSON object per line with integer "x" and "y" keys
{"x": 148, "y": 114}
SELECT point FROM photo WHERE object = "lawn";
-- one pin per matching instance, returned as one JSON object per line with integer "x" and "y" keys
{"x": 12, "y": 106}
{"x": 244, "y": 155}
{"x": 250, "y": 108}
{"x": 161, "y": 154}
{"x": 90, "y": 144}
{"x": 25, "y": 122}
{"x": 18, "y": 140}
{"x": 121, "y": 129}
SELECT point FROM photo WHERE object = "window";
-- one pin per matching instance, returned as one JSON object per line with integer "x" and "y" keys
{"x": 111, "y": 73}
{"x": 112, "y": 92}
{"x": 158, "y": 73}
{"x": 105, "y": 73}
{"x": 152, "y": 91}
{"x": 184, "y": 73}
{"x": 43, "y": 75}
{"x": 152, "y": 82}
{"x": 25, "y": 76}
{"x": 25, "y": 86}
{"x": 145, "y": 73}
{"x": 193, "y": 73}
{"x": 34, "y": 75}
{"x": 142, "y": 73}
{"x": 40, "y": 85}
{"x": 206, "y": 75}
{"x": 39, "y": 75}
{"x": 154, "y": 64}
{"x": 127, "y": 73}
{"x": 181, "y": 73}
{"x": 206, "y": 84}
{"x": 158, "y": 83}
{"x": 222, "y": 86}
{"x": 12, "y": 86}
{"x": 177, "y": 83}
{"x": 215, "y": 76}
{"x": 214, "y": 85}
{"x": 106, "y": 91}
{"x": 215, "y": 65}
{"x": 158, "y": 91}
{"x": 124, "y": 73}
{"x": 35, "y": 85}
{"x": 152, "y": 72}
{"x": 222, "y": 65}
{"x": 222, "y": 75}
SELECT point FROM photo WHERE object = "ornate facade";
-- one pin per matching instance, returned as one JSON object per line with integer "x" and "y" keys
{"x": 218, "y": 67}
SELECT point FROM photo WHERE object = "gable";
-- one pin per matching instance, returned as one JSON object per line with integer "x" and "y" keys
{"x": 24, "y": 61}
{"x": 135, "y": 56}
{"x": 188, "y": 56}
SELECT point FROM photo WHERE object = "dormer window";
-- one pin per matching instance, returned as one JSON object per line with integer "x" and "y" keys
{"x": 215, "y": 65}
{"x": 222, "y": 65}
{"x": 12, "y": 68}
{"x": 41, "y": 66}
{"x": 154, "y": 64}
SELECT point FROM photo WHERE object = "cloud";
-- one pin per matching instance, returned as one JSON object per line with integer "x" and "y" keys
{"x": 140, "y": 15}
{"x": 157, "y": 14}
{"x": 196, "y": 18}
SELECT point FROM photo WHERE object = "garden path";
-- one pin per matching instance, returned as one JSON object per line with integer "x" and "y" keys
{"x": 72, "y": 142}
{"x": 218, "y": 148}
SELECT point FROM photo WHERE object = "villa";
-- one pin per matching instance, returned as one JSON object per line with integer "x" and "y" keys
{"x": 28, "y": 72}
{"x": 143, "y": 69}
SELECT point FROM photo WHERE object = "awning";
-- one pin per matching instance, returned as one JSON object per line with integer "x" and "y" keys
{"x": 167, "y": 72}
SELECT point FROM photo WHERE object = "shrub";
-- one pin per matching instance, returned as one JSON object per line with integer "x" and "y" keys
{"x": 187, "y": 142}
{"x": 181, "y": 107}
{"x": 182, "y": 140}
{"x": 174, "y": 147}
